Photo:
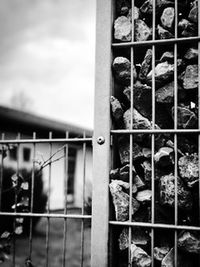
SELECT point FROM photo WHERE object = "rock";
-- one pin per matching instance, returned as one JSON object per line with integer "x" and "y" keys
{"x": 189, "y": 243}
{"x": 187, "y": 29}
{"x": 191, "y": 54}
{"x": 193, "y": 15}
{"x": 117, "y": 111}
{"x": 146, "y": 65}
{"x": 138, "y": 237}
{"x": 167, "y": 193}
{"x": 186, "y": 118}
{"x": 142, "y": 31}
{"x": 122, "y": 5}
{"x": 124, "y": 151}
{"x": 160, "y": 253}
{"x": 164, "y": 72}
{"x": 139, "y": 257}
{"x": 165, "y": 94}
{"x": 167, "y": 18}
{"x": 167, "y": 56}
{"x": 136, "y": 13}
{"x": 147, "y": 170}
{"x": 124, "y": 175}
{"x": 183, "y": 260}
{"x": 189, "y": 169}
{"x": 163, "y": 33}
{"x": 142, "y": 98}
{"x": 123, "y": 29}
{"x": 164, "y": 157}
{"x": 114, "y": 174}
{"x": 190, "y": 77}
{"x": 147, "y": 152}
{"x": 144, "y": 196}
{"x": 147, "y": 8}
{"x": 186, "y": 145}
{"x": 122, "y": 69}
{"x": 121, "y": 201}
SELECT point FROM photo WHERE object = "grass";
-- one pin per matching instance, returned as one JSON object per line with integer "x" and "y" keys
{"x": 55, "y": 258}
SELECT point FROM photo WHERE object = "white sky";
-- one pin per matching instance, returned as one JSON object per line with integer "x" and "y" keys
{"x": 47, "y": 51}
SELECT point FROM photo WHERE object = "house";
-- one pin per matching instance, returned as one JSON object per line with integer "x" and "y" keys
{"x": 13, "y": 122}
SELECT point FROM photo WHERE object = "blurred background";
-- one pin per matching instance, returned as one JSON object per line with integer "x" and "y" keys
{"x": 47, "y": 58}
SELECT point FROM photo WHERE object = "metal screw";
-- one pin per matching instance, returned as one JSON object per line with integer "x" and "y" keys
{"x": 100, "y": 140}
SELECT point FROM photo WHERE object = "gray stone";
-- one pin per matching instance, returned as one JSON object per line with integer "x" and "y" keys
{"x": 139, "y": 257}
{"x": 165, "y": 94}
{"x": 167, "y": 56}
{"x": 186, "y": 118}
{"x": 160, "y": 253}
{"x": 183, "y": 260}
{"x": 114, "y": 174}
{"x": 121, "y": 201}
{"x": 167, "y": 192}
{"x": 163, "y": 33}
{"x": 144, "y": 196}
{"x": 147, "y": 8}
{"x": 164, "y": 72}
{"x": 190, "y": 77}
{"x": 193, "y": 15}
{"x": 123, "y": 29}
{"x": 136, "y": 13}
{"x": 142, "y": 31}
{"x": 122, "y": 69}
{"x": 122, "y": 5}
{"x": 117, "y": 110}
{"x": 189, "y": 242}
{"x": 146, "y": 65}
{"x": 167, "y": 18}
{"x": 191, "y": 54}
{"x": 187, "y": 28}
{"x": 124, "y": 151}
{"x": 189, "y": 169}
{"x": 164, "y": 157}
{"x": 138, "y": 237}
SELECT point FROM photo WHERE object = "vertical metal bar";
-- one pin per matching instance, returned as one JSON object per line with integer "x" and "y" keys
{"x": 199, "y": 107}
{"x": 153, "y": 136}
{"x": 175, "y": 136}
{"x": 131, "y": 142}
{"x": 15, "y": 205}
{"x": 32, "y": 199}
{"x": 1, "y": 170}
{"x": 101, "y": 153}
{"x": 66, "y": 154}
{"x": 83, "y": 201}
{"x": 48, "y": 203}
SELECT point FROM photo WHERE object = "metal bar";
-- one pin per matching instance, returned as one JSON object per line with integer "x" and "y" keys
{"x": 48, "y": 204}
{"x": 155, "y": 225}
{"x": 46, "y": 215}
{"x": 153, "y": 138}
{"x": 175, "y": 136}
{"x": 1, "y": 170}
{"x": 157, "y": 131}
{"x": 199, "y": 105}
{"x": 156, "y": 42}
{"x": 101, "y": 152}
{"x": 15, "y": 208}
{"x": 54, "y": 140}
{"x": 32, "y": 200}
{"x": 66, "y": 156}
{"x": 83, "y": 202}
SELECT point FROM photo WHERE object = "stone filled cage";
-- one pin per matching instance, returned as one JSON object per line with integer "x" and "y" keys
{"x": 146, "y": 137}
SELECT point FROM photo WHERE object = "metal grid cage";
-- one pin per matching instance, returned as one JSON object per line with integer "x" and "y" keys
{"x": 106, "y": 85}
{"x": 58, "y": 150}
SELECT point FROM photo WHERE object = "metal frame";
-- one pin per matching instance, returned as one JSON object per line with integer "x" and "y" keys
{"x": 102, "y": 154}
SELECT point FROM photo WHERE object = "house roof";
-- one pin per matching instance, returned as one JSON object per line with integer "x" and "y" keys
{"x": 27, "y": 123}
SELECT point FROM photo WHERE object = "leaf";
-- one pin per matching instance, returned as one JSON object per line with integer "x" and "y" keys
{"x": 5, "y": 235}
{"x": 17, "y": 180}
{"x": 25, "y": 186}
{"x": 19, "y": 230}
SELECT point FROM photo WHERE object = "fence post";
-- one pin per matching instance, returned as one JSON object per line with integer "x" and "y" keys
{"x": 101, "y": 138}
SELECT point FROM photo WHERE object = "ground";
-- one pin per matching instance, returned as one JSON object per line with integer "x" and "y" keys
{"x": 73, "y": 250}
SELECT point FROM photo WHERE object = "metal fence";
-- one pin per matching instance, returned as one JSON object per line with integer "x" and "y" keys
{"x": 66, "y": 214}
{"x": 105, "y": 252}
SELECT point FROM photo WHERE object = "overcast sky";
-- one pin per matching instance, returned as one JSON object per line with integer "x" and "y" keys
{"x": 47, "y": 52}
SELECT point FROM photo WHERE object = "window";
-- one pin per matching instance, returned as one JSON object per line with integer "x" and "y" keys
{"x": 13, "y": 153}
{"x": 71, "y": 170}
{"x": 26, "y": 154}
